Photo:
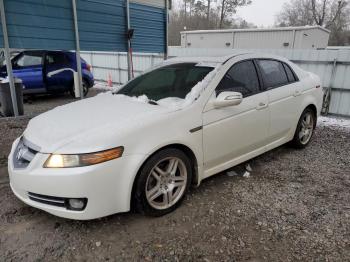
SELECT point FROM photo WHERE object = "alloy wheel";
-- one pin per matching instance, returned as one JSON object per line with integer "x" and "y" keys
{"x": 307, "y": 128}
{"x": 166, "y": 183}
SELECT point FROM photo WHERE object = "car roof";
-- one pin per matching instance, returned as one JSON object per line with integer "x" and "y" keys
{"x": 41, "y": 51}
{"x": 208, "y": 59}
{"x": 224, "y": 59}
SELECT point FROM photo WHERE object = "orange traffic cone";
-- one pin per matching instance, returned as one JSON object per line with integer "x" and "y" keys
{"x": 109, "y": 81}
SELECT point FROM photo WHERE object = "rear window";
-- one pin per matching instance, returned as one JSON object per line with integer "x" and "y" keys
{"x": 273, "y": 73}
{"x": 56, "y": 58}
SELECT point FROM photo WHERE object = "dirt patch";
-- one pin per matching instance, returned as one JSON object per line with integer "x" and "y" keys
{"x": 294, "y": 206}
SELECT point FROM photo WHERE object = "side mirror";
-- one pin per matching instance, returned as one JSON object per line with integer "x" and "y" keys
{"x": 226, "y": 99}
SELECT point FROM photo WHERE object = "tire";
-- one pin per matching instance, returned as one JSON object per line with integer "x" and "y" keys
{"x": 159, "y": 191}
{"x": 86, "y": 88}
{"x": 305, "y": 129}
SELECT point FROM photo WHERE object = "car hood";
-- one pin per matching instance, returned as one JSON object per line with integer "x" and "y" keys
{"x": 90, "y": 125}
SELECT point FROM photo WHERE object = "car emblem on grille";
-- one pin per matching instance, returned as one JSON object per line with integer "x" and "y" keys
{"x": 21, "y": 152}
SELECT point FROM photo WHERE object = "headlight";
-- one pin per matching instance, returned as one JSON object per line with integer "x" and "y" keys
{"x": 64, "y": 161}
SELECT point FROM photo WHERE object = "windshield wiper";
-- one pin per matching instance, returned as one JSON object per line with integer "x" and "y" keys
{"x": 152, "y": 102}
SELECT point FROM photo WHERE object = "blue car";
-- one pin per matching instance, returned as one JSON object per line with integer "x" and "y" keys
{"x": 33, "y": 67}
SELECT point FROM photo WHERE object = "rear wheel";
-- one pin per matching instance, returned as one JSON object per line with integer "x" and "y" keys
{"x": 85, "y": 89}
{"x": 163, "y": 182}
{"x": 305, "y": 129}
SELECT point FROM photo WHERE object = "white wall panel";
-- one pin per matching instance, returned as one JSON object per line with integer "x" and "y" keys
{"x": 263, "y": 40}
{"x": 275, "y": 38}
{"x": 116, "y": 65}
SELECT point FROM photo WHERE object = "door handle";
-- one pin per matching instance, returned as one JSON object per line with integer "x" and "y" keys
{"x": 262, "y": 105}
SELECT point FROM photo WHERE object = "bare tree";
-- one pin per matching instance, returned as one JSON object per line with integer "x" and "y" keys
{"x": 229, "y": 7}
{"x": 296, "y": 13}
{"x": 331, "y": 14}
{"x": 204, "y": 14}
{"x": 312, "y": 12}
{"x": 208, "y": 12}
{"x": 340, "y": 27}
{"x": 325, "y": 12}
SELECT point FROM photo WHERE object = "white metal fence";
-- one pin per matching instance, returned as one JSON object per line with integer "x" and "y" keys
{"x": 333, "y": 66}
{"x": 115, "y": 65}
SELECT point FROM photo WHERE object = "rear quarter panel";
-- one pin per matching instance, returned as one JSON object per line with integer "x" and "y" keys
{"x": 312, "y": 92}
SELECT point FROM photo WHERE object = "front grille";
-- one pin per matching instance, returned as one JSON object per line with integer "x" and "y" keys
{"x": 48, "y": 200}
{"x": 24, "y": 153}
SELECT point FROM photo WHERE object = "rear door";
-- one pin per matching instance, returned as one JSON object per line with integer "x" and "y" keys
{"x": 29, "y": 68}
{"x": 60, "y": 81}
{"x": 232, "y": 133}
{"x": 283, "y": 90}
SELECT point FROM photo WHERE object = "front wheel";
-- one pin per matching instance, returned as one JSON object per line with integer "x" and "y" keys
{"x": 85, "y": 89}
{"x": 305, "y": 129}
{"x": 163, "y": 182}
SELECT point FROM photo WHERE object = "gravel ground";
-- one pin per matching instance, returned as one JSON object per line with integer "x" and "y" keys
{"x": 295, "y": 206}
{"x": 34, "y": 105}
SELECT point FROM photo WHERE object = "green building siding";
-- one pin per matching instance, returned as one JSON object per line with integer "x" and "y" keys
{"x": 43, "y": 24}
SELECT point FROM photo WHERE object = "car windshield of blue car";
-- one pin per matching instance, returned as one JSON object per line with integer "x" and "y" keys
{"x": 175, "y": 80}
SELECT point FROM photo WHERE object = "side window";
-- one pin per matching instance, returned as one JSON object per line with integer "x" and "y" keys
{"x": 28, "y": 60}
{"x": 273, "y": 73}
{"x": 290, "y": 74}
{"x": 242, "y": 77}
{"x": 56, "y": 58}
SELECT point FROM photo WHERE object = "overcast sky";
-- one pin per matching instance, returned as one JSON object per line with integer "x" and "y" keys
{"x": 261, "y": 12}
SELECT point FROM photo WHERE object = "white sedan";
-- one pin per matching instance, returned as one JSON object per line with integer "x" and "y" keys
{"x": 144, "y": 146}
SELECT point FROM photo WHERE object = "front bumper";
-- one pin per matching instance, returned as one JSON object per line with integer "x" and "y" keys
{"x": 107, "y": 186}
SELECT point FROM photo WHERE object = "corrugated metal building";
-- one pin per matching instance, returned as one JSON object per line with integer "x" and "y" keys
{"x": 42, "y": 24}
{"x": 306, "y": 37}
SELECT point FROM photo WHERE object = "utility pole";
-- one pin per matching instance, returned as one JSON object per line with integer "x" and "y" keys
{"x": 8, "y": 60}
{"x": 77, "y": 47}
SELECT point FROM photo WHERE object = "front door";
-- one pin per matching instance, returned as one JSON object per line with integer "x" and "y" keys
{"x": 234, "y": 133}
{"x": 29, "y": 68}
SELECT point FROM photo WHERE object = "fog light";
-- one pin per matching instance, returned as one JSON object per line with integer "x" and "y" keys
{"x": 77, "y": 203}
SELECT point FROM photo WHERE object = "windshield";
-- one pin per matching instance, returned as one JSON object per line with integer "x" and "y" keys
{"x": 175, "y": 80}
